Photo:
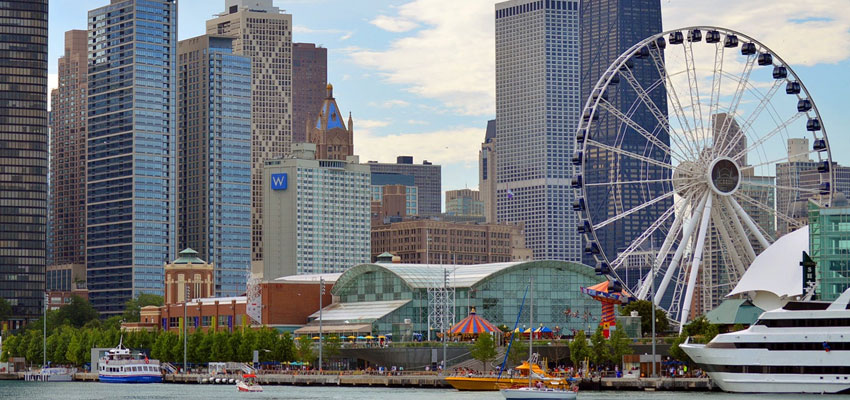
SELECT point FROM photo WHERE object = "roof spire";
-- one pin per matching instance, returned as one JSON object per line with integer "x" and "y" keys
{"x": 330, "y": 91}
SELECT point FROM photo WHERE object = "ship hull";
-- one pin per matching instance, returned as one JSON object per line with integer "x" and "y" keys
{"x": 130, "y": 378}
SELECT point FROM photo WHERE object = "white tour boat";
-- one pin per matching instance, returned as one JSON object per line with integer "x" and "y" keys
{"x": 120, "y": 366}
{"x": 803, "y": 347}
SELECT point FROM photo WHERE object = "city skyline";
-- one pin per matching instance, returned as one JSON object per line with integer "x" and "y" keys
{"x": 405, "y": 103}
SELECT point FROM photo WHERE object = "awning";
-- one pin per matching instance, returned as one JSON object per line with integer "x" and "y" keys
{"x": 344, "y": 328}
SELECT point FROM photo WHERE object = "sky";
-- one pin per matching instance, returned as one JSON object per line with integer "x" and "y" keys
{"x": 419, "y": 76}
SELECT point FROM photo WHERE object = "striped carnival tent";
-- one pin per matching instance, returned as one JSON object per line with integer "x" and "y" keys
{"x": 609, "y": 294}
{"x": 472, "y": 325}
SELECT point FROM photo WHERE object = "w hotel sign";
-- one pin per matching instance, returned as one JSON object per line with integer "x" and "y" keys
{"x": 279, "y": 181}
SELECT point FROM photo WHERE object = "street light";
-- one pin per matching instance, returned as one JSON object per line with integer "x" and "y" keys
{"x": 321, "y": 294}
{"x": 185, "y": 322}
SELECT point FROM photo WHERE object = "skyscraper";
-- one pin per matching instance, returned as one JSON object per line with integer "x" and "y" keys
{"x": 426, "y": 177}
{"x": 214, "y": 162}
{"x": 68, "y": 153}
{"x": 608, "y": 28}
{"x": 309, "y": 78}
{"x": 487, "y": 172}
{"x": 264, "y": 33}
{"x": 132, "y": 139}
{"x": 23, "y": 156}
{"x": 537, "y": 107}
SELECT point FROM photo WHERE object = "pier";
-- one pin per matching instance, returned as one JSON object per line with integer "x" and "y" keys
{"x": 424, "y": 381}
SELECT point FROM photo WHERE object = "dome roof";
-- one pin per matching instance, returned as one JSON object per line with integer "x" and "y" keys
{"x": 188, "y": 256}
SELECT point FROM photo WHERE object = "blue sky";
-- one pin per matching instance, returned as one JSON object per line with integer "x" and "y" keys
{"x": 419, "y": 75}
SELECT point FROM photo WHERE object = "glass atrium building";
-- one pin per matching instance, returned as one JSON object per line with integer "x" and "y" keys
{"x": 382, "y": 297}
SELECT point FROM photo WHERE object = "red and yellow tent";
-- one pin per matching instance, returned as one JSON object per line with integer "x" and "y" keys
{"x": 472, "y": 325}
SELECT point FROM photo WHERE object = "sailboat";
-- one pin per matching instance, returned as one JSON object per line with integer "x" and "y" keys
{"x": 538, "y": 391}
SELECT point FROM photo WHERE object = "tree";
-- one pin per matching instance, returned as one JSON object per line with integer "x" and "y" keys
{"x": 619, "y": 345}
{"x": 34, "y": 347}
{"x": 332, "y": 346}
{"x": 133, "y": 307}
{"x": 10, "y": 347}
{"x": 221, "y": 350}
{"x": 305, "y": 349}
{"x": 484, "y": 349}
{"x": 700, "y": 329}
{"x": 518, "y": 352}
{"x": 284, "y": 349}
{"x": 579, "y": 350}
{"x": 266, "y": 340}
{"x": 247, "y": 345}
{"x": 644, "y": 309}
{"x": 5, "y": 309}
{"x": 600, "y": 351}
{"x": 197, "y": 352}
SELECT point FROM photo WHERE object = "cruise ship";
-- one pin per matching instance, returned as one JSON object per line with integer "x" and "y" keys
{"x": 119, "y": 365}
{"x": 803, "y": 347}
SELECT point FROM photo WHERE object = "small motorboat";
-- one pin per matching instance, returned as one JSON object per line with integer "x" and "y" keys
{"x": 249, "y": 384}
{"x": 529, "y": 393}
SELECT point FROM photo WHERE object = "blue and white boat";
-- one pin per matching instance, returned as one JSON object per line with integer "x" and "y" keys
{"x": 119, "y": 365}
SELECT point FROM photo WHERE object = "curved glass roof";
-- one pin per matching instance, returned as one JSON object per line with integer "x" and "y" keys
{"x": 423, "y": 276}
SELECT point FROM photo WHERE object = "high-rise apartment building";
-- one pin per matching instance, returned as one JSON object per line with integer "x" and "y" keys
{"x": 487, "y": 172}
{"x": 68, "y": 153}
{"x": 318, "y": 214}
{"x": 214, "y": 162}
{"x": 23, "y": 157}
{"x": 608, "y": 28}
{"x": 537, "y": 107}
{"x": 411, "y": 192}
{"x": 464, "y": 203}
{"x": 426, "y": 177}
{"x": 309, "y": 78}
{"x": 132, "y": 141}
{"x": 328, "y": 132}
{"x": 263, "y": 33}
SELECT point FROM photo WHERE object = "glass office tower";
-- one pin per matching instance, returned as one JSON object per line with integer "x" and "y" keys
{"x": 23, "y": 156}
{"x": 131, "y": 197}
{"x": 214, "y": 161}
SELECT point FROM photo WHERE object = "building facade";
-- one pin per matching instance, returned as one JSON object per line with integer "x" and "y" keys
{"x": 132, "y": 141}
{"x": 328, "y": 132}
{"x": 537, "y": 106}
{"x": 188, "y": 277}
{"x": 214, "y": 162}
{"x": 829, "y": 246}
{"x": 306, "y": 230}
{"x": 608, "y": 28}
{"x": 309, "y": 78}
{"x": 263, "y": 33}
{"x": 464, "y": 203}
{"x": 380, "y": 298}
{"x": 487, "y": 172}
{"x": 68, "y": 154}
{"x": 23, "y": 157}
{"x": 448, "y": 242}
{"x": 426, "y": 177}
{"x": 411, "y": 191}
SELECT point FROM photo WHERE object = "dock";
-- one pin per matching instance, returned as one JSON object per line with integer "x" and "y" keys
{"x": 427, "y": 381}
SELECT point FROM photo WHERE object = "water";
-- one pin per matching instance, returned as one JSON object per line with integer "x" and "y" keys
{"x": 96, "y": 391}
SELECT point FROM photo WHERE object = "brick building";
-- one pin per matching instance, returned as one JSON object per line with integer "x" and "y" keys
{"x": 450, "y": 242}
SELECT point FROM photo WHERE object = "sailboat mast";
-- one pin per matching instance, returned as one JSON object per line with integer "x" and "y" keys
{"x": 530, "y": 332}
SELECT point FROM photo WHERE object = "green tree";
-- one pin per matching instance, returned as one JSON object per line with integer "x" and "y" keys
{"x": 305, "y": 349}
{"x": 247, "y": 345}
{"x": 600, "y": 350}
{"x": 484, "y": 349}
{"x": 331, "y": 347}
{"x": 579, "y": 350}
{"x": 284, "y": 349}
{"x": 10, "y": 347}
{"x": 197, "y": 354}
{"x": 266, "y": 340}
{"x": 133, "y": 307}
{"x": 619, "y": 345}
{"x": 700, "y": 330}
{"x": 34, "y": 347}
{"x": 519, "y": 351}
{"x": 221, "y": 350}
{"x": 76, "y": 348}
{"x": 5, "y": 309}
{"x": 644, "y": 309}
{"x": 234, "y": 340}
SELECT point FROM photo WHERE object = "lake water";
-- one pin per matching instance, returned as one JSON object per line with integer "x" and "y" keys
{"x": 94, "y": 391}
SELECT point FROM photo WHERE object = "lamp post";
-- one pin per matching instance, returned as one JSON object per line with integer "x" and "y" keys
{"x": 185, "y": 322}
{"x": 44, "y": 338}
{"x": 652, "y": 306}
{"x": 321, "y": 294}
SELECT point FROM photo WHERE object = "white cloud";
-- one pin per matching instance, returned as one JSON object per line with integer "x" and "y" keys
{"x": 365, "y": 124}
{"x": 394, "y": 103}
{"x": 398, "y": 24}
{"x": 52, "y": 83}
{"x": 450, "y": 146}
{"x": 301, "y": 29}
{"x": 417, "y": 122}
{"x": 801, "y": 32}
{"x": 450, "y": 59}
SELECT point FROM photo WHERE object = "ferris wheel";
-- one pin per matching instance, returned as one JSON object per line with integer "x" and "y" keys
{"x": 696, "y": 149}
